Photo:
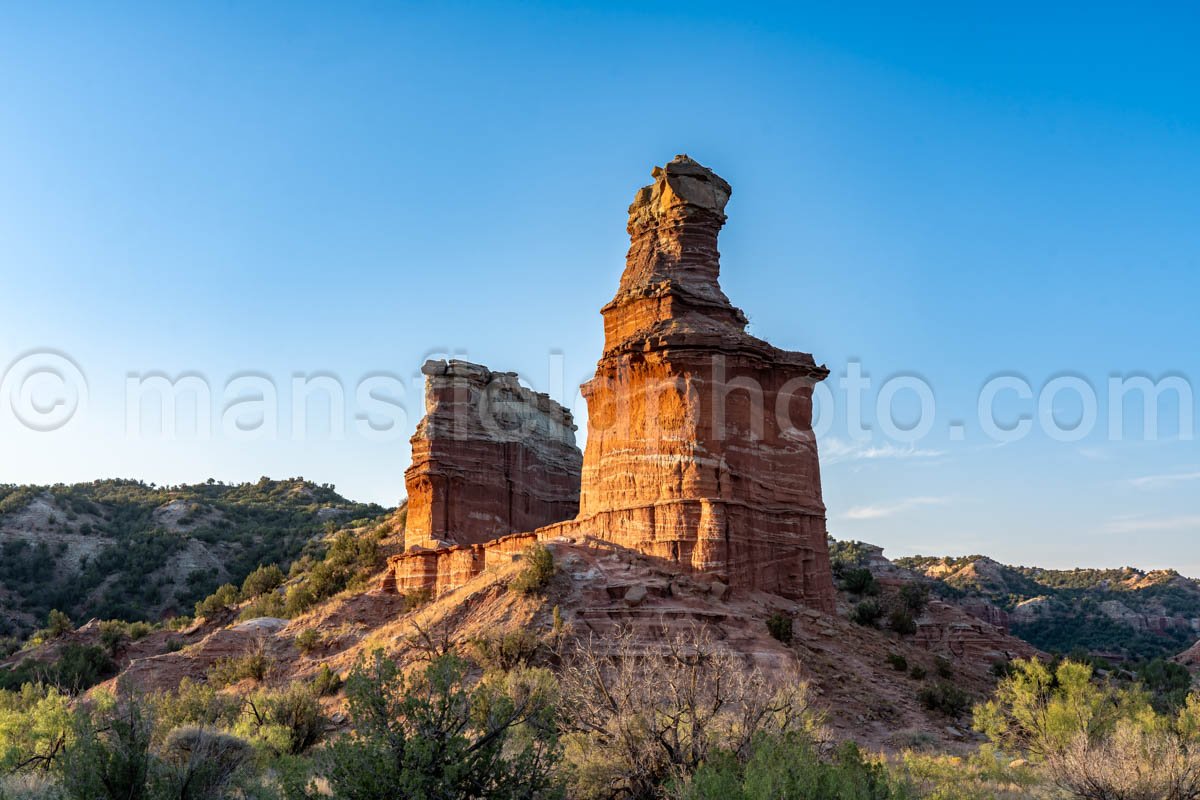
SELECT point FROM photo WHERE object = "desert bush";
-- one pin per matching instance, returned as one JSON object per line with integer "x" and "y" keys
{"x": 429, "y": 735}
{"x": 788, "y": 767}
{"x": 288, "y": 721}
{"x": 1001, "y": 668}
{"x": 35, "y": 727}
{"x": 110, "y": 756}
{"x": 942, "y": 667}
{"x": 299, "y": 598}
{"x": 901, "y": 621}
{"x": 9, "y": 645}
{"x": 201, "y": 764}
{"x": 866, "y": 612}
{"x": 1093, "y": 739}
{"x": 914, "y": 597}
{"x": 846, "y": 555}
{"x": 223, "y": 598}
{"x": 985, "y": 774}
{"x": 505, "y": 651}
{"x": 58, "y": 624}
{"x": 639, "y": 720}
{"x": 229, "y": 670}
{"x": 1132, "y": 762}
{"x": 417, "y": 598}
{"x": 897, "y": 662}
{"x": 537, "y": 571}
{"x": 1167, "y": 683}
{"x": 779, "y": 625}
{"x": 31, "y": 786}
{"x": 944, "y": 697}
{"x": 192, "y": 704}
{"x": 860, "y": 581}
{"x": 917, "y": 672}
{"x": 115, "y": 633}
{"x": 271, "y": 604}
{"x": 308, "y": 640}
{"x": 327, "y": 682}
{"x": 77, "y": 668}
{"x": 262, "y": 580}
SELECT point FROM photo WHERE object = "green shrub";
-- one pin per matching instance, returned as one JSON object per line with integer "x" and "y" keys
{"x": 941, "y": 665}
{"x": 288, "y": 721}
{"x": 897, "y": 662}
{"x": 58, "y": 624}
{"x": 901, "y": 621}
{"x": 506, "y": 651}
{"x": 232, "y": 669}
{"x": 435, "y": 734}
{"x": 779, "y": 625}
{"x": 914, "y": 597}
{"x": 944, "y": 697}
{"x": 271, "y": 604}
{"x": 1167, "y": 683}
{"x": 417, "y": 598}
{"x": 262, "y": 580}
{"x": 789, "y": 767}
{"x": 535, "y": 576}
{"x": 866, "y": 612}
{"x": 308, "y": 640}
{"x": 115, "y": 633}
{"x": 202, "y": 764}
{"x": 327, "y": 682}
{"x": 77, "y": 669}
{"x": 299, "y": 598}
{"x": 860, "y": 581}
{"x": 110, "y": 756}
{"x": 223, "y": 598}
{"x": 917, "y": 672}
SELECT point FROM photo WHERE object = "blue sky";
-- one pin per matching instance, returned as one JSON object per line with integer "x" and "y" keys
{"x": 955, "y": 194}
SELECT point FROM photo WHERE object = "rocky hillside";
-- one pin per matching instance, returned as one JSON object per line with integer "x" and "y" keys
{"x": 1119, "y": 614}
{"x": 881, "y": 682}
{"x": 119, "y": 549}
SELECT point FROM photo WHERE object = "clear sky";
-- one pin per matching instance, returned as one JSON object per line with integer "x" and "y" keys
{"x": 223, "y": 190}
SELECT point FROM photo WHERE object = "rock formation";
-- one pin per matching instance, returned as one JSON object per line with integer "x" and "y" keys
{"x": 700, "y": 448}
{"x": 490, "y": 458}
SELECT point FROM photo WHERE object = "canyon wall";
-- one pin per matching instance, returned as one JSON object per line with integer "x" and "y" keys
{"x": 490, "y": 458}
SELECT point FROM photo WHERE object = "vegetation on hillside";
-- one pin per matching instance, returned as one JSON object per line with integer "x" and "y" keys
{"x": 134, "y": 537}
{"x": 1121, "y": 613}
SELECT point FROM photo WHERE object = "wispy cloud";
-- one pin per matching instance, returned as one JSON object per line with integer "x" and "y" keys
{"x": 1143, "y": 523}
{"x": 837, "y": 451}
{"x": 1159, "y": 481}
{"x": 891, "y": 510}
{"x": 1095, "y": 454}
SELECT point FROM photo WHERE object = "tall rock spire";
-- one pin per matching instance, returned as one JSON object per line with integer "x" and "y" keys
{"x": 700, "y": 448}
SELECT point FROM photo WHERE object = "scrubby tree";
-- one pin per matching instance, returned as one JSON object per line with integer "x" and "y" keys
{"x": 1094, "y": 739}
{"x": 431, "y": 735}
{"x": 639, "y": 720}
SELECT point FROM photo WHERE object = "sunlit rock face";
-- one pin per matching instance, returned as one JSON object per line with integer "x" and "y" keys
{"x": 490, "y": 458}
{"x": 700, "y": 448}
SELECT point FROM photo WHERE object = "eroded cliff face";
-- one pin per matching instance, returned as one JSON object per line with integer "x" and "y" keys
{"x": 490, "y": 458}
{"x": 700, "y": 448}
